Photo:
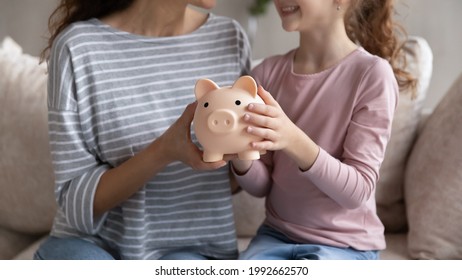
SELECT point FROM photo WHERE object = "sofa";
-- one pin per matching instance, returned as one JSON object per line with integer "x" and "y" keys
{"x": 417, "y": 194}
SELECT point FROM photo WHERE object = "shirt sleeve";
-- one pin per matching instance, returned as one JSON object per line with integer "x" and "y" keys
{"x": 351, "y": 180}
{"x": 257, "y": 180}
{"x": 77, "y": 169}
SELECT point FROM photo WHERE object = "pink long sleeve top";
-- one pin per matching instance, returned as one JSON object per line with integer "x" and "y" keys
{"x": 347, "y": 110}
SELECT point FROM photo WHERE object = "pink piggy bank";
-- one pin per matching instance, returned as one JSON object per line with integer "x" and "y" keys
{"x": 218, "y": 122}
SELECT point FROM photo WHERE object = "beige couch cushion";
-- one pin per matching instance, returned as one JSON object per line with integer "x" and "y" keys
{"x": 26, "y": 181}
{"x": 12, "y": 242}
{"x": 433, "y": 186}
{"x": 249, "y": 213}
{"x": 390, "y": 194}
{"x": 29, "y": 251}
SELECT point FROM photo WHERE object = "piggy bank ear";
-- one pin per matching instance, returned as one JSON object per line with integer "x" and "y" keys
{"x": 248, "y": 84}
{"x": 204, "y": 86}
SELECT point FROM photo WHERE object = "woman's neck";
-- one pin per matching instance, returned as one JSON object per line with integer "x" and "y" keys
{"x": 157, "y": 19}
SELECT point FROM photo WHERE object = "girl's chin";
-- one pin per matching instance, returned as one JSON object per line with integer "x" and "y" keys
{"x": 289, "y": 27}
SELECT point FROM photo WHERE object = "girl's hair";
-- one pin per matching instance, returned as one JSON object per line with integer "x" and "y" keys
{"x": 370, "y": 23}
{"x": 70, "y": 11}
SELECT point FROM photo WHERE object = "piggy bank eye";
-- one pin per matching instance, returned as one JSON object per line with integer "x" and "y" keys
{"x": 238, "y": 102}
{"x": 206, "y": 104}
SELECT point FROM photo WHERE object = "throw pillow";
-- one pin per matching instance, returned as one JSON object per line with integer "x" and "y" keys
{"x": 13, "y": 242}
{"x": 433, "y": 185}
{"x": 27, "y": 202}
{"x": 389, "y": 193}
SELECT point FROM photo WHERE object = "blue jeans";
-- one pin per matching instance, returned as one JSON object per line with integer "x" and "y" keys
{"x": 270, "y": 244}
{"x": 71, "y": 248}
{"x": 55, "y": 248}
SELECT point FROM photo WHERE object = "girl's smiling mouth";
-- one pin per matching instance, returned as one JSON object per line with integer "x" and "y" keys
{"x": 288, "y": 10}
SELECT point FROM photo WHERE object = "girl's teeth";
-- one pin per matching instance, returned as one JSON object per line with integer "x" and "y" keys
{"x": 289, "y": 9}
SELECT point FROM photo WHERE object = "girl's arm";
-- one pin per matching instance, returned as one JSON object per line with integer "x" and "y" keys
{"x": 253, "y": 176}
{"x": 351, "y": 180}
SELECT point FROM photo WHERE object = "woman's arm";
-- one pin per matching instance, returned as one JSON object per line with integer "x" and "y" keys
{"x": 119, "y": 183}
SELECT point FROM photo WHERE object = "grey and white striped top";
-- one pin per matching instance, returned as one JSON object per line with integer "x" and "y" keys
{"x": 110, "y": 94}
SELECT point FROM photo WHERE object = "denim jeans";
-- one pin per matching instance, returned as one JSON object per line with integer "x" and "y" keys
{"x": 55, "y": 248}
{"x": 270, "y": 244}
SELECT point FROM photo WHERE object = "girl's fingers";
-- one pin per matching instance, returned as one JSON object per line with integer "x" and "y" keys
{"x": 262, "y": 145}
{"x": 259, "y": 120}
{"x": 262, "y": 132}
{"x": 266, "y": 96}
{"x": 263, "y": 109}
{"x": 270, "y": 108}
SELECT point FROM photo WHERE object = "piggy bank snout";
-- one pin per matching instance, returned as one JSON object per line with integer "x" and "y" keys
{"x": 222, "y": 121}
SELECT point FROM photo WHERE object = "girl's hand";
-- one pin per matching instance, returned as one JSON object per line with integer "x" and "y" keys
{"x": 269, "y": 122}
{"x": 178, "y": 146}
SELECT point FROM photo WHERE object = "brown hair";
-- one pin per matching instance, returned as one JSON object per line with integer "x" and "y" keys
{"x": 70, "y": 11}
{"x": 370, "y": 23}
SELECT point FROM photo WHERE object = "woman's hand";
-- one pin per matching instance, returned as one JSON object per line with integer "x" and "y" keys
{"x": 119, "y": 183}
{"x": 178, "y": 146}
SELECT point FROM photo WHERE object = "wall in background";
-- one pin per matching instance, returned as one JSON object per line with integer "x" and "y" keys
{"x": 26, "y": 22}
{"x": 437, "y": 21}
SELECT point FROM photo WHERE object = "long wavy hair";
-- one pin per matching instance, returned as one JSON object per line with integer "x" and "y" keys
{"x": 70, "y": 11}
{"x": 370, "y": 24}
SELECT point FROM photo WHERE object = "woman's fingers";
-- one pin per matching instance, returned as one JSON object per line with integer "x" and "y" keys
{"x": 197, "y": 163}
{"x": 188, "y": 114}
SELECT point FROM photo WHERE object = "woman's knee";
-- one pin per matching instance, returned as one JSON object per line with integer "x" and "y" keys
{"x": 55, "y": 248}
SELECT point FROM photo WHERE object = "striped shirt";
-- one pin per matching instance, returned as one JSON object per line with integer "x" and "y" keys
{"x": 110, "y": 94}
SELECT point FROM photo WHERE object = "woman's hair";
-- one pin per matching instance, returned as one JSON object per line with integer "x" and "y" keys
{"x": 370, "y": 23}
{"x": 70, "y": 11}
